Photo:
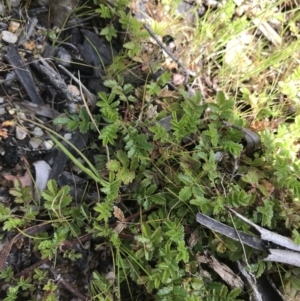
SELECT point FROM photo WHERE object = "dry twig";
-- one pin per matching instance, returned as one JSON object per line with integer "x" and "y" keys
{"x": 169, "y": 53}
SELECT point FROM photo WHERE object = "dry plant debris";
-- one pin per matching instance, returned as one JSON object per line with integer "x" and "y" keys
{"x": 123, "y": 124}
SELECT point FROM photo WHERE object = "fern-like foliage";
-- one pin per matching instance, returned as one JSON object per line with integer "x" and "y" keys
{"x": 108, "y": 107}
{"x": 137, "y": 145}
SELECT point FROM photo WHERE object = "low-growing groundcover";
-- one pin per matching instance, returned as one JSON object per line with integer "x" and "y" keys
{"x": 157, "y": 155}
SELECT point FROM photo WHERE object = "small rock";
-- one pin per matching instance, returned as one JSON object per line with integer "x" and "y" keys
{"x": 9, "y": 78}
{"x": 2, "y": 9}
{"x": 29, "y": 45}
{"x": 4, "y": 196}
{"x": 64, "y": 57}
{"x": 15, "y": 3}
{"x": 73, "y": 107}
{"x": 1, "y": 100}
{"x": 12, "y": 111}
{"x": 178, "y": 79}
{"x": 21, "y": 133}
{"x": 212, "y": 3}
{"x": 2, "y": 111}
{"x": 13, "y": 26}
{"x": 9, "y": 37}
{"x": 68, "y": 136}
{"x": 35, "y": 143}
{"x": 3, "y": 25}
{"x": 42, "y": 171}
{"x": 38, "y": 131}
{"x": 74, "y": 90}
{"x": 21, "y": 115}
{"x": 43, "y": 2}
{"x": 46, "y": 145}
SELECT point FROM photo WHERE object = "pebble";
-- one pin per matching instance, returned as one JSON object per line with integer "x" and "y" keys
{"x": 9, "y": 37}
{"x": 46, "y": 145}
{"x": 64, "y": 57}
{"x": 2, "y": 111}
{"x": 13, "y": 26}
{"x": 74, "y": 90}
{"x": 35, "y": 143}
{"x": 21, "y": 115}
{"x": 15, "y": 3}
{"x": 9, "y": 78}
{"x": 12, "y": 111}
{"x": 21, "y": 133}
{"x": 42, "y": 171}
{"x": 38, "y": 131}
{"x": 68, "y": 136}
{"x": 2, "y": 9}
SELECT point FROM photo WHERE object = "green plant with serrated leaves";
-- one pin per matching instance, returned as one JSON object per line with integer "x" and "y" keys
{"x": 21, "y": 194}
{"x": 73, "y": 122}
{"x": 160, "y": 154}
{"x": 108, "y": 107}
{"x": 137, "y": 145}
{"x": 57, "y": 199}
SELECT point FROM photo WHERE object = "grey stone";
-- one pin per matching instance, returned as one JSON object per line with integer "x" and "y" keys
{"x": 9, "y": 37}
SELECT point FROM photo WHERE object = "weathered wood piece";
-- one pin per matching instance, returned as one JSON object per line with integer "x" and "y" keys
{"x": 60, "y": 158}
{"x": 39, "y": 110}
{"x": 23, "y": 73}
{"x": 270, "y": 236}
{"x": 230, "y": 232}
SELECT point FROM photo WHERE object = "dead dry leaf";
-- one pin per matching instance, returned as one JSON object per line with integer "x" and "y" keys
{"x": 25, "y": 180}
{"x": 29, "y": 45}
{"x": 178, "y": 79}
{"x": 118, "y": 214}
{"x": 151, "y": 111}
{"x": 193, "y": 239}
{"x": 8, "y": 123}
{"x": 222, "y": 270}
{"x": 268, "y": 185}
{"x": 120, "y": 227}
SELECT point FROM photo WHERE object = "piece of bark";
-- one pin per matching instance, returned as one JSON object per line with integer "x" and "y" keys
{"x": 284, "y": 256}
{"x": 260, "y": 288}
{"x": 79, "y": 141}
{"x": 23, "y": 73}
{"x": 32, "y": 12}
{"x": 96, "y": 50}
{"x": 39, "y": 110}
{"x": 253, "y": 142}
{"x": 91, "y": 98}
{"x": 58, "y": 12}
{"x": 270, "y": 236}
{"x": 230, "y": 232}
{"x": 56, "y": 81}
{"x": 29, "y": 30}
{"x": 233, "y": 280}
